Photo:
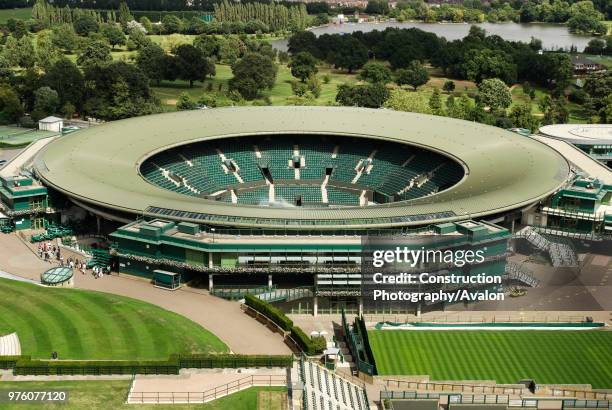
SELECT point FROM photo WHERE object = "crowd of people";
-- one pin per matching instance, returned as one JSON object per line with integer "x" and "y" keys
{"x": 50, "y": 252}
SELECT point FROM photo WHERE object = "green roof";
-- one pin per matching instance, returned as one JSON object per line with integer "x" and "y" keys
{"x": 100, "y": 165}
{"x": 56, "y": 275}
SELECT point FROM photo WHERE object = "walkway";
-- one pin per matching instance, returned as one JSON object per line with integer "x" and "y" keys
{"x": 224, "y": 318}
{"x": 24, "y": 157}
{"x": 579, "y": 159}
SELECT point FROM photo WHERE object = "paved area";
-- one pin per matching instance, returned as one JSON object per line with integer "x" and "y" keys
{"x": 239, "y": 331}
{"x": 579, "y": 159}
{"x": 24, "y": 157}
{"x": 200, "y": 380}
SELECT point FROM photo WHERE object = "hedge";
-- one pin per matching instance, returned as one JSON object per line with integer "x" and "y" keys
{"x": 25, "y": 366}
{"x": 361, "y": 326}
{"x": 9, "y": 362}
{"x": 233, "y": 361}
{"x": 270, "y": 311}
{"x": 305, "y": 343}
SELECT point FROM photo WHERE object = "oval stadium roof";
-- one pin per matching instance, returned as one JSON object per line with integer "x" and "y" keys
{"x": 100, "y": 166}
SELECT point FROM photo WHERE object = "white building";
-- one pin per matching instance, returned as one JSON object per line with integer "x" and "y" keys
{"x": 54, "y": 124}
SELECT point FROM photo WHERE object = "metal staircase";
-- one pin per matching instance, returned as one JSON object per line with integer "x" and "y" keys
{"x": 561, "y": 254}
{"x": 514, "y": 271}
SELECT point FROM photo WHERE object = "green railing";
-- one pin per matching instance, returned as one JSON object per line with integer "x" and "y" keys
{"x": 356, "y": 348}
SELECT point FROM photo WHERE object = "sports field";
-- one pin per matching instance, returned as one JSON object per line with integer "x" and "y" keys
{"x": 91, "y": 325}
{"x": 18, "y": 137}
{"x": 504, "y": 356}
{"x": 103, "y": 395}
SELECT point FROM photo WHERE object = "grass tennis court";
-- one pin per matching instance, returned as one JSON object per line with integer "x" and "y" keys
{"x": 505, "y": 356}
{"x": 18, "y": 137}
{"x": 82, "y": 324}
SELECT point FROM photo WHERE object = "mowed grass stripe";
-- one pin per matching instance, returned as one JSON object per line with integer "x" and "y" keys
{"x": 92, "y": 325}
{"x": 505, "y": 356}
{"x": 126, "y": 339}
{"x": 32, "y": 332}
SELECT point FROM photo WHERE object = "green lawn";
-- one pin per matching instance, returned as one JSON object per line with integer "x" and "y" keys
{"x": 6, "y": 14}
{"x": 504, "y": 356}
{"x": 12, "y": 137}
{"x": 92, "y": 325}
{"x": 102, "y": 395}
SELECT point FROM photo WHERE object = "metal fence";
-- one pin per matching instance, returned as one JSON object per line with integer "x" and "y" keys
{"x": 207, "y": 395}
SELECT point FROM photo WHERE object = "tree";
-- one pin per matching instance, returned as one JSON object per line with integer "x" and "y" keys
{"x": 377, "y": 7}
{"x": 124, "y": 16}
{"x": 521, "y": 117}
{"x": 171, "y": 24}
{"x": 20, "y": 52}
{"x": 192, "y": 64}
{"x": 303, "y": 65}
{"x": 96, "y": 52}
{"x": 65, "y": 78}
{"x": 595, "y": 46}
{"x": 367, "y": 95}
{"x": 352, "y": 54}
{"x": 151, "y": 59}
{"x": 314, "y": 85}
{"x": 375, "y": 72}
{"x": 435, "y": 103}
{"x": 46, "y": 102}
{"x": 117, "y": 90}
{"x": 208, "y": 45}
{"x": 146, "y": 23}
{"x": 85, "y": 24}
{"x": 486, "y": 63}
{"x": 253, "y": 74}
{"x": 303, "y": 41}
{"x": 415, "y": 75}
{"x": 493, "y": 93}
{"x": 185, "y": 103}
{"x": 64, "y": 37}
{"x": 113, "y": 34}
{"x": 46, "y": 53}
{"x": 599, "y": 88}
{"x": 449, "y": 86}
{"x": 401, "y": 100}
{"x": 555, "y": 110}
{"x": 10, "y": 106}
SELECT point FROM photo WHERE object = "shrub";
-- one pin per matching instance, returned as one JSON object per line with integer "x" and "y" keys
{"x": 270, "y": 311}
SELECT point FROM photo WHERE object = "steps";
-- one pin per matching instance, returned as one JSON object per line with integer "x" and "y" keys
{"x": 9, "y": 345}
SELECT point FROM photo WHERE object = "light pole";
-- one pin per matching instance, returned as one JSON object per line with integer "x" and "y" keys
{"x": 213, "y": 234}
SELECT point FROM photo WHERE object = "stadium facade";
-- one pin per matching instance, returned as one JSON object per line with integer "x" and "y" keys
{"x": 230, "y": 195}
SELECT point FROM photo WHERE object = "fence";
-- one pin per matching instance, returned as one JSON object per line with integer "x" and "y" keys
{"x": 454, "y": 387}
{"x": 208, "y": 395}
{"x": 354, "y": 348}
{"x": 457, "y": 318}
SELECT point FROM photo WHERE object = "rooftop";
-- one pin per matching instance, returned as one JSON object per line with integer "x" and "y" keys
{"x": 504, "y": 171}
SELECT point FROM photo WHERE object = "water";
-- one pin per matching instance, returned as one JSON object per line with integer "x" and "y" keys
{"x": 553, "y": 36}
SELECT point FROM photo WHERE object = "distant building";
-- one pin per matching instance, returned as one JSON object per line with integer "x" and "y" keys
{"x": 54, "y": 124}
{"x": 582, "y": 65}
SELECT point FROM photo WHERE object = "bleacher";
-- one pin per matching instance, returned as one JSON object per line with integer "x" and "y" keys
{"x": 337, "y": 196}
{"x": 253, "y": 197}
{"x": 325, "y": 390}
{"x": 396, "y": 170}
{"x": 289, "y": 193}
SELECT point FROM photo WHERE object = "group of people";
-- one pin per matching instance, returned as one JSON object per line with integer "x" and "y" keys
{"x": 48, "y": 252}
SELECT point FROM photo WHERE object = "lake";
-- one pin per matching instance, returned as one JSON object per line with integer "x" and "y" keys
{"x": 553, "y": 36}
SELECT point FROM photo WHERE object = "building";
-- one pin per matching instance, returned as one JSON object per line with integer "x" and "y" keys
{"x": 582, "y": 210}
{"x": 327, "y": 268}
{"x": 24, "y": 201}
{"x": 54, "y": 124}
{"x": 583, "y": 65}
{"x": 593, "y": 139}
